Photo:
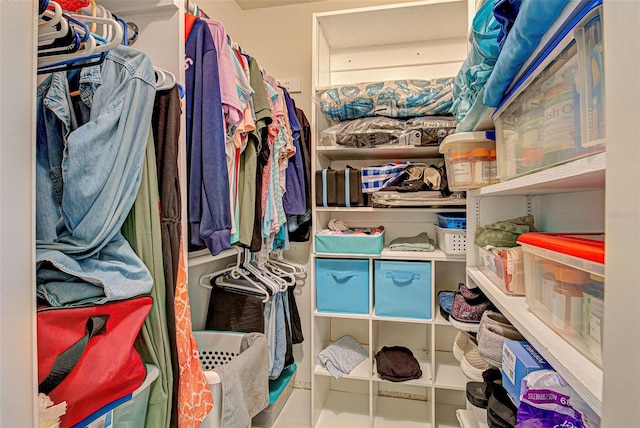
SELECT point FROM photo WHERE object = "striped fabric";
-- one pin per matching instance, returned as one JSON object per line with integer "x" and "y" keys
{"x": 375, "y": 177}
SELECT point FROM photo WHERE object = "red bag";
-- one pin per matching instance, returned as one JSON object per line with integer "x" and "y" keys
{"x": 86, "y": 355}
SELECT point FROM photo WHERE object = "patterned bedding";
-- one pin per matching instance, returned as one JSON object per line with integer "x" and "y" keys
{"x": 397, "y": 98}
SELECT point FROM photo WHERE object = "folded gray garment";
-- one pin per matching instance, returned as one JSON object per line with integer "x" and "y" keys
{"x": 342, "y": 356}
{"x": 420, "y": 242}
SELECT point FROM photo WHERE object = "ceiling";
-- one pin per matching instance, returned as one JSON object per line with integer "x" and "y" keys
{"x": 257, "y": 4}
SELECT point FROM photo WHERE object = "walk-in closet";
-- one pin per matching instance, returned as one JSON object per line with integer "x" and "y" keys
{"x": 319, "y": 213}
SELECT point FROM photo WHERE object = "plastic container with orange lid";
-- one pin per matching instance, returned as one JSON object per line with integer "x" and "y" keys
{"x": 481, "y": 166}
{"x": 566, "y": 304}
{"x": 558, "y": 270}
{"x": 461, "y": 168}
{"x": 460, "y": 152}
{"x": 493, "y": 167}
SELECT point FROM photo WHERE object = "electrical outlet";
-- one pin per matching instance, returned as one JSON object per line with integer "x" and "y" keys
{"x": 293, "y": 85}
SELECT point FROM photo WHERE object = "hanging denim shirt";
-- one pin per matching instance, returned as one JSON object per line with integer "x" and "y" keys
{"x": 89, "y": 159}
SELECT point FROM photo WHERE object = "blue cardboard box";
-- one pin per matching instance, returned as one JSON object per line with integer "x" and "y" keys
{"x": 518, "y": 360}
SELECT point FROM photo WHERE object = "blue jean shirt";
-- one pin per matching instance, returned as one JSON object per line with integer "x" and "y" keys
{"x": 89, "y": 160}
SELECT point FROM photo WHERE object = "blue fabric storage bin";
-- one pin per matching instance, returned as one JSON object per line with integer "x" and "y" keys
{"x": 349, "y": 244}
{"x": 342, "y": 286}
{"x": 402, "y": 289}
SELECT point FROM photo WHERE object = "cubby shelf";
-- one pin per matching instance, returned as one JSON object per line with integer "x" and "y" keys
{"x": 584, "y": 376}
{"x": 349, "y": 48}
{"x": 386, "y": 254}
{"x": 580, "y": 175}
{"x": 336, "y": 153}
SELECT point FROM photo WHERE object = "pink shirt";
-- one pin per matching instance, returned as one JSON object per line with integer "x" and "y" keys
{"x": 231, "y": 105}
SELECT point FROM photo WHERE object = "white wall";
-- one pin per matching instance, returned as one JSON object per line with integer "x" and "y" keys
{"x": 280, "y": 39}
{"x": 18, "y": 357}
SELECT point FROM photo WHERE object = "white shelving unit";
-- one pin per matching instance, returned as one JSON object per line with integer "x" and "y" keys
{"x": 584, "y": 376}
{"x": 402, "y": 41}
{"x": 567, "y": 198}
{"x": 558, "y": 197}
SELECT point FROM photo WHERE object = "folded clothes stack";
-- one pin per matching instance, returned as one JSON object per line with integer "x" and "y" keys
{"x": 420, "y": 242}
{"x": 342, "y": 356}
{"x": 397, "y": 364}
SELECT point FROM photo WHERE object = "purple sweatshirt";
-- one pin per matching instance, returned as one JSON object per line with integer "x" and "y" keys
{"x": 208, "y": 185}
{"x": 294, "y": 201}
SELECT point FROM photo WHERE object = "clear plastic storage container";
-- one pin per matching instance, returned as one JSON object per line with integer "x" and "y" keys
{"x": 564, "y": 286}
{"x": 466, "y": 156}
{"x": 559, "y": 117}
{"x": 504, "y": 267}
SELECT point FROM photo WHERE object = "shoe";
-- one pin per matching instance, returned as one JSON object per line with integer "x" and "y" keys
{"x": 493, "y": 330}
{"x": 472, "y": 364}
{"x": 471, "y": 295}
{"x": 445, "y": 301}
{"x": 501, "y": 412}
{"x": 460, "y": 344}
{"x": 466, "y": 314}
{"x": 478, "y": 393}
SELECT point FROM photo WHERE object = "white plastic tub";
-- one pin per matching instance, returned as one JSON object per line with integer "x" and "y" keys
{"x": 216, "y": 349}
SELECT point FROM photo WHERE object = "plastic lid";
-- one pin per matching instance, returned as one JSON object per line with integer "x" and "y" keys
{"x": 480, "y": 152}
{"x": 570, "y": 275}
{"x": 459, "y": 155}
{"x": 466, "y": 137}
{"x": 588, "y": 246}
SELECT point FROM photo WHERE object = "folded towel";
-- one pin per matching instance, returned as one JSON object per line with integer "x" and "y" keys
{"x": 342, "y": 356}
{"x": 245, "y": 382}
{"x": 420, "y": 242}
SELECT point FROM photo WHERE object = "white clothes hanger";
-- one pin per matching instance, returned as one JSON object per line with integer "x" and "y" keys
{"x": 277, "y": 257}
{"x": 100, "y": 30}
{"x": 288, "y": 277}
{"x": 165, "y": 79}
{"x": 273, "y": 285}
{"x": 91, "y": 47}
{"x": 49, "y": 32}
{"x": 235, "y": 271}
{"x": 88, "y": 49}
{"x": 289, "y": 266}
{"x": 54, "y": 16}
{"x": 254, "y": 289}
{"x": 204, "y": 279}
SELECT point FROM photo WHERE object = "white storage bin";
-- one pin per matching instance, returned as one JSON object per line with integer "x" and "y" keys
{"x": 452, "y": 241}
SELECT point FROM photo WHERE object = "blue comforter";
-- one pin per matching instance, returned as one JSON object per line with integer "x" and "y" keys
{"x": 479, "y": 63}
{"x": 534, "y": 19}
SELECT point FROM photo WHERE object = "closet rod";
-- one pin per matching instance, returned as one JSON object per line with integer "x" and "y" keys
{"x": 191, "y": 8}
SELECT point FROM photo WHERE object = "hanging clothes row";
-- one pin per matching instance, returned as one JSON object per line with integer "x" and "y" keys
{"x": 257, "y": 296}
{"x": 247, "y": 168}
{"x": 114, "y": 217}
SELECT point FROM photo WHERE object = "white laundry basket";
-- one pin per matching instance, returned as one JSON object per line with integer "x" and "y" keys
{"x": 216, "y": 349}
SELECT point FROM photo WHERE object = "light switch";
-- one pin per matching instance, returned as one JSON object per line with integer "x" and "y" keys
{"x": 293, "y": 85}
